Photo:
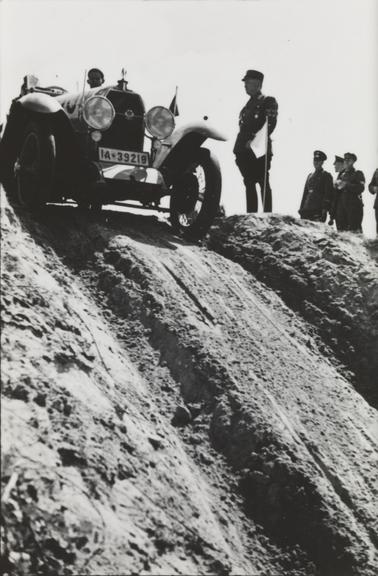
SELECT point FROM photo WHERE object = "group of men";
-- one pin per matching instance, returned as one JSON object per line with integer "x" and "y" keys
{"x": 341, "y": 199}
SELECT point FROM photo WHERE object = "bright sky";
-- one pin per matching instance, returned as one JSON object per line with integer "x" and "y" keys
{"x": 319, "y": 57}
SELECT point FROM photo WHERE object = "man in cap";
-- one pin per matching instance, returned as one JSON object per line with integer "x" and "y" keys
{"x": 351, "y": 184}
{"x": 373, "y": 189}
{"x": 255, "y": 170}
{"x": 95, "y": 78}
{"x": 338, "y": 165}
{"x": 317, "y": 193}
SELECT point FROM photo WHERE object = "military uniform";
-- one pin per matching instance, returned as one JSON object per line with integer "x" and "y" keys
{"x": 349, "y": 211}
{"x": 373, "y": 183}
{"x": 335, "y": 193}
{"x": 252, "y": 118}
{"x": 317, "y": 193}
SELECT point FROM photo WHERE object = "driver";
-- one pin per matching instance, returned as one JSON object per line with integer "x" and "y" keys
{"x": 95, "y": 78}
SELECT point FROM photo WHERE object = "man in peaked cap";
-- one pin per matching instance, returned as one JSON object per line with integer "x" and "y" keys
{"x": 255, "y": 169}
{"x": 338, "y": 165}
{"x": 351, "y": 184}
{"x": 317, "y": 193}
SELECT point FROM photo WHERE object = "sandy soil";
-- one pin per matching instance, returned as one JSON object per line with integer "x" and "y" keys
{"x": 167, "y": 410}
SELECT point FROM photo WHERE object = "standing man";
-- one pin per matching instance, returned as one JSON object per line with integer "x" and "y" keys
{"x": 338, "y": 166}
{"x": 351, "y": 184}
{"x": 373, "y": 189}
{"x": 318, "y": 191}
{"x": 95, "y": 78}
{"x": 258, "y": 110}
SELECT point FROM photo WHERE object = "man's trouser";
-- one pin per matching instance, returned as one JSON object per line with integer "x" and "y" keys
{"x": 349, "y": 212}
{"x": 313, "y": 216}
{"x": 252, "y": 169}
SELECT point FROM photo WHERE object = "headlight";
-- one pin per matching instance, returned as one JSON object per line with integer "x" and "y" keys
{"x": 98, "y": 112}
{"x": 160, "y": 122}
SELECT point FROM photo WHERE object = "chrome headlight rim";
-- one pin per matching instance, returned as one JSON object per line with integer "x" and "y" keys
{"x": 86, "y": 115}
{"x": 157, "y": 131}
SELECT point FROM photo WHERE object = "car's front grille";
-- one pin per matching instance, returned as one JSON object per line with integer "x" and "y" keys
{"x": 127, "y": 130}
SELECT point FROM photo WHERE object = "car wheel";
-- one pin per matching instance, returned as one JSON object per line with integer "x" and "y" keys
{"x": 35, "y": 165}
{"x": 7, "y": 178}
{"x": 195, "y": 196}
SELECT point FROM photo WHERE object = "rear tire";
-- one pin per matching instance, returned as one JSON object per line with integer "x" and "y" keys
{"x": 195, "y": 196}
{"x": 35, "y": 165}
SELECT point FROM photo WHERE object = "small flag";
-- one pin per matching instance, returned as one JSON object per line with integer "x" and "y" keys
{"x": 173, "y": 105}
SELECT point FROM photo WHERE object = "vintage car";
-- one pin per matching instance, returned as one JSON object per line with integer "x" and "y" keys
{"x": 90, "y": 147}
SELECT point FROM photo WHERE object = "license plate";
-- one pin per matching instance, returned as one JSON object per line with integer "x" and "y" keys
{"x": 123, "y": 157}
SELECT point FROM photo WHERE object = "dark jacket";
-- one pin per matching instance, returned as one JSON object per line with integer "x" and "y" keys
{"x": 335, "y": 196}
{"x": 355, "y": 181}
{"x": 374, "y": 182}
{"x": 252, "y": 118}
{"x": 317, "y": 193}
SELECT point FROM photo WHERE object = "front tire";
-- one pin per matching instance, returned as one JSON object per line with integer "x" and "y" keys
{"x": 35, "y": 165}
{"x": 196, "y": 195}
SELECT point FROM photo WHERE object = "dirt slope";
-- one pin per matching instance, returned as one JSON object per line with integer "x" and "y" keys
{"x": 165, "y": 412}
{"x": 330, "y": 279}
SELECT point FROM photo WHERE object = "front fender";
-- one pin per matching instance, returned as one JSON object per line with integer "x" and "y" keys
{"x": 202, "y": 128}
{"x": 184, "y": 138}
{"x": 41, "y": 103}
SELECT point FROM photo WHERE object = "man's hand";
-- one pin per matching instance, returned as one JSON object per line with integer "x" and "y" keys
{"x": 340, "y": 184}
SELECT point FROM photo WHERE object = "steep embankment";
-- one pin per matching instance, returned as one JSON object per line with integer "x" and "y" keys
{"x": 164, "y": 412}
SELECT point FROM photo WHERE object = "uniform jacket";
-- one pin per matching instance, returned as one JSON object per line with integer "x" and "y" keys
{"x": 374, "y": 182}
{"x": 355, "y": 181}
{"x": 317, "y": 193}
{"x": 335, "y": 195}
{"x": 252, "y": 118}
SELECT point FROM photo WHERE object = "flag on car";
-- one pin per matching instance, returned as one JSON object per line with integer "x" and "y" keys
{"x": 173, "y": 105}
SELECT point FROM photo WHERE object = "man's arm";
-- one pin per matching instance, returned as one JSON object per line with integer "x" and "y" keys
{"x": 328, "y": 191}
{"x": 271, "y": 112}
{"x": 355, "y": 182}
{"x": 304, "y": 195}
{"x": 373, "y": 186}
